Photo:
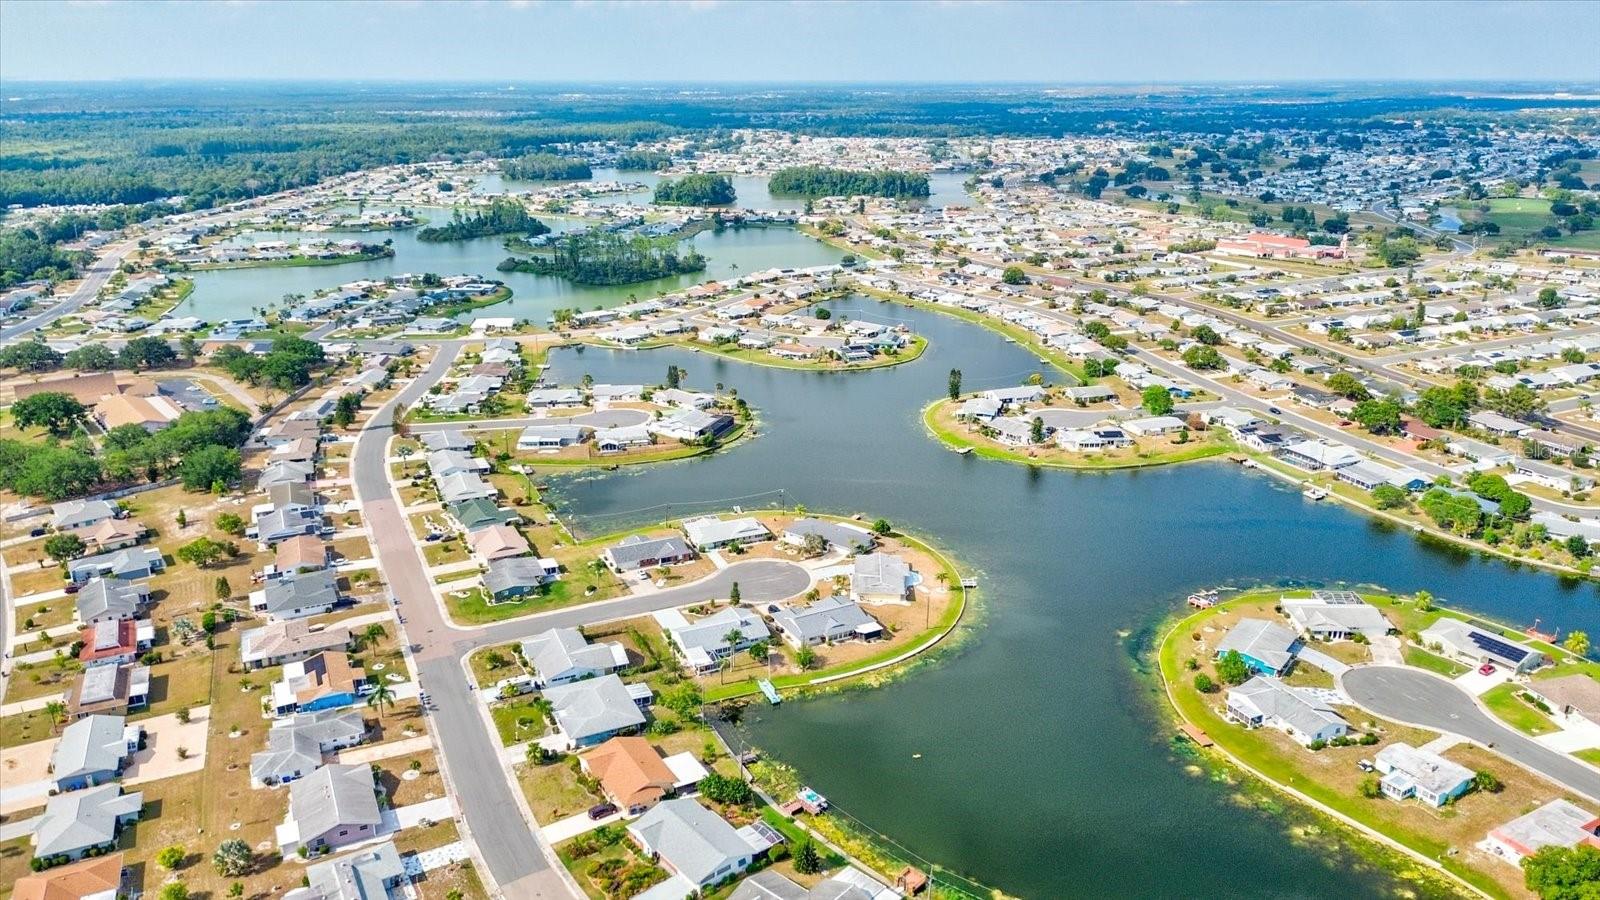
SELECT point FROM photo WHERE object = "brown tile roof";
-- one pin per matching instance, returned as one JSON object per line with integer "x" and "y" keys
{"x": 88, "y": 389}
{"x": 81, "y": 879}
{"x": 330, "y": 673}
{"x": 630, "y": 770}
{"x": 497, "y": 542}
{"x": 303, "y": 551}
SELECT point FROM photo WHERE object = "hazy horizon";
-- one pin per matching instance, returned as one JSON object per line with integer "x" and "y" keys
{"x": 798, "y": 43}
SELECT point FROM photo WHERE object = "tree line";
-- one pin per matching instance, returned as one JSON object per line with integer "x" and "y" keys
{"x": 821, "y": 181}
{"x": 286, "y": 366}
{"x": 199, "y": 447}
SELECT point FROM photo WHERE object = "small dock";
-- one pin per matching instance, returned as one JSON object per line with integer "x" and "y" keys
{"x": 969, "y": 582}
{"x": 1199, "y": 737}
{"x": 770, "y": 692}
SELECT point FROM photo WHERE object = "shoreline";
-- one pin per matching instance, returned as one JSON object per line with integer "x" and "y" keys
{"x": 1203, "y": 450}
{"x": 1172, "y": 625}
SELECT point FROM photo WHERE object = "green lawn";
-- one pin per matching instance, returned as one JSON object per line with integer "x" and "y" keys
{"x": 1504, "y": 702}
{"x": 517, "y": 720}
{"x": 1205, "y": 446}
{"x": 1590, "y": 756}
{"x": 1422, "y": 659}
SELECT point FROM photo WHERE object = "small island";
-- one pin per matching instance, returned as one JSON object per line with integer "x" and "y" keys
{"x": 602, "y": 257}
{"x": 546, "y": 167}
{"x": 696, "y": 190}
{"x": 502, "y": 217}
{"x": 821, "y": 181}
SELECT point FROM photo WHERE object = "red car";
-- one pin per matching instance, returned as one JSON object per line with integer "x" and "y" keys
{"x": 1486, "y": 669}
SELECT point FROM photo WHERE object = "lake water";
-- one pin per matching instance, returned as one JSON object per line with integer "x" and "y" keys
{"x": 1044, "y": 770}
{"x": 944, "y": 189}
{"x": 236, "y": 293}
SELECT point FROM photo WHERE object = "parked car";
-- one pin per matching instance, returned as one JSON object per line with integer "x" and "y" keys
{"x": 1366, "y": 765}
{"x": 73, "y": 588}
{"x": 1486, "y": 669}
{"x": 38, "y": 532}
{"x": 601, "y": 810}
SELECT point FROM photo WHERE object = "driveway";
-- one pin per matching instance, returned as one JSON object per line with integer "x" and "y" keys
{"x": 1323, "y": 661}
{"x": 1415, "y": 697}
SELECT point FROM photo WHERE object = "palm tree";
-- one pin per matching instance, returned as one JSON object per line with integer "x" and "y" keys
{"x": 55, "y": 711}
{"x": 380, "y": 697}
{"x": 373, "y": 634}
{"x": 404, "y": 453}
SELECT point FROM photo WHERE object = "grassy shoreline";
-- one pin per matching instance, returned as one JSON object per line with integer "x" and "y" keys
{"x": 1202, "y": 449}
{"x": 1256, "y": 753}
{"x": 293, "y": 262}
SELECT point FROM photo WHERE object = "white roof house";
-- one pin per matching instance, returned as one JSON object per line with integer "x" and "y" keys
{"x": 1559, "y": 823}
{"x": 1472, "y": 644}
{"x": 692, "y": 841}
{"x": 589, "y": 711}
{"x": 710, "y": 532}
{"x": 1334, "y": 615}
{"x": 1268, "y": 702}
{"x": 1412, "y": 772}
{"x": 561, "y": 655}
{"x": 705, "y": 641}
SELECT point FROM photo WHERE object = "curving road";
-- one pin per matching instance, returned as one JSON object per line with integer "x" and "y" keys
{"x": 514, "y": 855}
{"x": 1420, "y": 698}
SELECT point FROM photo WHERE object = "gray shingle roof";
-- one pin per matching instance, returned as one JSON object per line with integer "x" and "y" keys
{"x": 305, "y": 590}
{"x": 78, "y": 820}
{"x": 103, "y": 599}
{"x": 694, "y": 840}
{"x": 296, "y": 744}
{"x": 333, "y": 795}
{"x": 597, "y": 706}
{"x": 91, "y": 744}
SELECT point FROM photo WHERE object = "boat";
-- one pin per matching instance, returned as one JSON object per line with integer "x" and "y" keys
{"x": 811, "y": 801}
{"x": 1202, "y": 599}
{"x": 1314, "y": 493}
{"x": 768, "y": 691}
{"x": 964, "y": 451}
{"x": 969, "y": 582}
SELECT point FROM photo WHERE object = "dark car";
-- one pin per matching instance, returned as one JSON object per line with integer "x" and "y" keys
{"x": 38, "y": 532}
{"x": 74, "y": 587}
{"x": 1274, "y": 410}
{"x": 601, "y": 810}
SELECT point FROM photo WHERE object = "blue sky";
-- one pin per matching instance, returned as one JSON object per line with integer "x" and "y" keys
{"x": 777, "y": 40}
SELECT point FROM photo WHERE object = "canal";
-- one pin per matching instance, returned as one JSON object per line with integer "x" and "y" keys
{"x": 1031, "y": 757}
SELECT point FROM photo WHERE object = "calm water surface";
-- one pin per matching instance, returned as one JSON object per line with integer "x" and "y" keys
{"x": 1043, "y": 770}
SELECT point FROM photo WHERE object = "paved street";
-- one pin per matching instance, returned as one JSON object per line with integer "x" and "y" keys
{"x": 1421, "y": 698}
{"x": 470, "y": 753}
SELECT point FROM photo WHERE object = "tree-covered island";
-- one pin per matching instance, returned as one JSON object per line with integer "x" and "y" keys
{"x": 603, "y": 257}
{"x": 502, "y": 217}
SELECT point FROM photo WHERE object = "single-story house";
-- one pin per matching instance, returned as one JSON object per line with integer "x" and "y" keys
{"x": 71, "y": 515}
{"x": 563, "y": 655}
{"x": 704, "y": 642}
{"x": 497, "y": 541}
{"x": 113, "y": 643}
{"x": 109, "y": 690}
{"x": 1570, "y": 696}
{"x": 692, "y": 841}
{"x": 631, "y": 773}
{"x": 332, "y": 807}
{"x": 372, "y": 873}
{"x": 297, "y": 596}
{"x": 710, "y": 532}
{"x": 103, "y": 600}
{"x": 79, "y": 821}
{"x": 99, "y": 878}
{"x": 637, "y": 552}
{"x": 296, "y": 745}
{"x": 548, "y": 437}
{"x": 592, "y": 710}
{"x": 518, "y": 576}
{"x": 1559, "y": 823}
{"x": 129, "y": 563}
{"x": 850, "y": 538}
{"x": 1267, "y": 647}
{"x": 287, "y": 640}
{"x": 1471, "y": 644}
{"x": 324, "y": 681}
{"x": 1334, "y": 616}
{"x": 825, "y": 621}
{"x": 881, "y": 578}
{"x": 92, "y": 751}
{"x": 1268, "y": 702}
{"x": 1411, "y": 772}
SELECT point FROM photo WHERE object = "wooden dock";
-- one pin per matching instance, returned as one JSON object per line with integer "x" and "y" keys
{"x": 1199, "y": 737}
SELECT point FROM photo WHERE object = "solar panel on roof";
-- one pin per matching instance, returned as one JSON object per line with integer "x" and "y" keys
{"x": 1498, "y": 647}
